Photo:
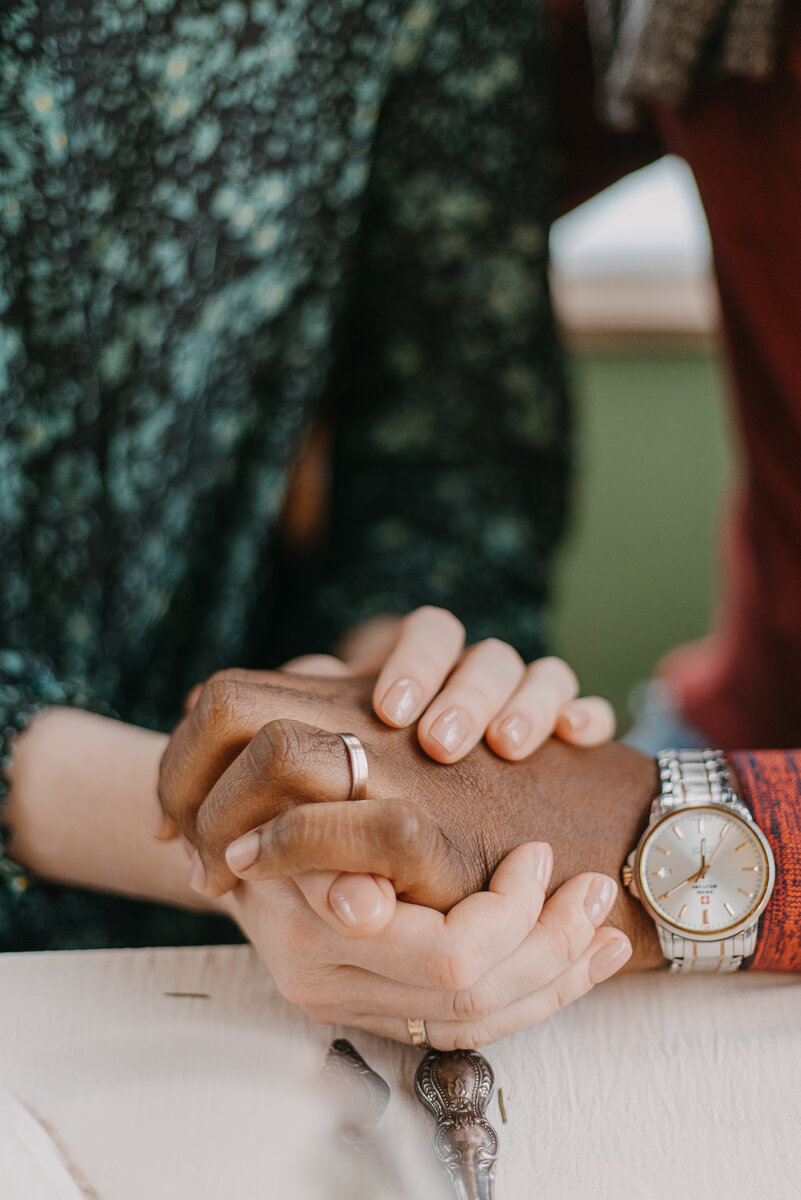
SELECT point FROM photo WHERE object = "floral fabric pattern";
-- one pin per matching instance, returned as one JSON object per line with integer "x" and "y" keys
{"x": 220, "y": 221}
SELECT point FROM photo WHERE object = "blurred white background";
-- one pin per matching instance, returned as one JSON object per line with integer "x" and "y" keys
{"x": 650, "y": 221}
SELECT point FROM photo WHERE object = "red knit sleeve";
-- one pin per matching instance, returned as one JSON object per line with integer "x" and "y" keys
{"x": 770, "y": 781}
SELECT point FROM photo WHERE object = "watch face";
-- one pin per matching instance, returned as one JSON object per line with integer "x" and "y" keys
{"x": 704, "y": 871}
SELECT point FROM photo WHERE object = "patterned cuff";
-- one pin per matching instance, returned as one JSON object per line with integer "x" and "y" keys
{"x": 770, "y": 782}
{"x": 27, "y": 686}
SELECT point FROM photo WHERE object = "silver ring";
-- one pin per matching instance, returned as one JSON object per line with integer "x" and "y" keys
{"x": 417, "y": 1032}
{"x": 358, "y": 766}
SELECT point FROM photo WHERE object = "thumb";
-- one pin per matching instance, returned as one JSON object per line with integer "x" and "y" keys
{"x": 355, "y": 906}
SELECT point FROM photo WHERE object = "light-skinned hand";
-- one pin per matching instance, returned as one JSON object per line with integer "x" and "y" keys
{"x": 499, "y": 962}
{"x": 457, "y": 696}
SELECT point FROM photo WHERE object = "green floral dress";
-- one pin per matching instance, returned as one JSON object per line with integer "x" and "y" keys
{"x": 219, "y": 221}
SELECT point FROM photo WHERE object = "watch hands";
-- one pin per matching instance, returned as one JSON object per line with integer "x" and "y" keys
{"x": 706, "y": 863}
{"x": 699, "y": 874}
{"x": 712, "y": 855}
{"x": 676, "y": 887}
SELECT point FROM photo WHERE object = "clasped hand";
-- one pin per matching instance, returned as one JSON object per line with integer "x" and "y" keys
{"x": 255, "y": 777}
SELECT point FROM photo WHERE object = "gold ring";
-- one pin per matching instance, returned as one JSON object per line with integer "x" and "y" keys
{"x": 417, "y": 1032}
{"x": 358, "y": 766}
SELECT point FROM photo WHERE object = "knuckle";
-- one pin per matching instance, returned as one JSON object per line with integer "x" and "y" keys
{"x": 404, "y": 828}
{"x": 217, "y": 701}
{"x": 278, "y": 749}
{"x": 284, "y": 830}
{"x": 443, "y": 617}
{"x": 501, "y": 652}
{"x": 557, "y": 668}
{"x": 295, "y": 753}
{"x": 223, "y": 677}
{"x": 417, "y": 661}
{"x": 455, "y": 971}
{"x": 475, "y": 1003}
{"x": 471, "y": 1036}
{"x": 477, "y": 700}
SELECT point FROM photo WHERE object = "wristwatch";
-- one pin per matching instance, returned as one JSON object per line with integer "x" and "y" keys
{"x": 703, "y": 868}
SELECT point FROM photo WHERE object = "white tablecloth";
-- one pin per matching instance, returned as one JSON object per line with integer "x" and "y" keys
{"x": 651, "y": 1086}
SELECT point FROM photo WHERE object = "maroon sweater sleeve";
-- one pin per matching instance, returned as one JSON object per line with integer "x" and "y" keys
{"x": 741, "y": 139}
{"x": 770, "y": 782}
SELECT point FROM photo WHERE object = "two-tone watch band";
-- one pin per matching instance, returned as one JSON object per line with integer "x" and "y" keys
{"x": 691, "y": 777}
{"x": 685, "y": 955}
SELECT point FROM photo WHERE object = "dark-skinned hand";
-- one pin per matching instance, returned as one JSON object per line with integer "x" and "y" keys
{"x": 259, "y": 755}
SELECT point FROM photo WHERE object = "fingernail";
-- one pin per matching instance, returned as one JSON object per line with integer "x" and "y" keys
{"x": 576, "y": 718}
{"x": 356, "y": 899}
{"x": 402, "y": 701}
{"x": 451, "y": 729}
{"x": 544, "y": 865}
{"x": 197, "y": 876}
{"x": 608, "y": 959}
{"x": 242, "y": 853}
{"x": 600, "y": 898}
{"x": 517, "y": 728}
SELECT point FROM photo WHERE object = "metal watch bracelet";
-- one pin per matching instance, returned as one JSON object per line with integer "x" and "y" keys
{"x": 691, "y": 777}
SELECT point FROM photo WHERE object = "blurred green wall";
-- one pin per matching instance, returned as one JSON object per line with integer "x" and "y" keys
{"x": 639, "y": 567}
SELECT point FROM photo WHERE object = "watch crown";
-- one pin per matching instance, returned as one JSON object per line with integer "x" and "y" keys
{"x": 626, "y": 875}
